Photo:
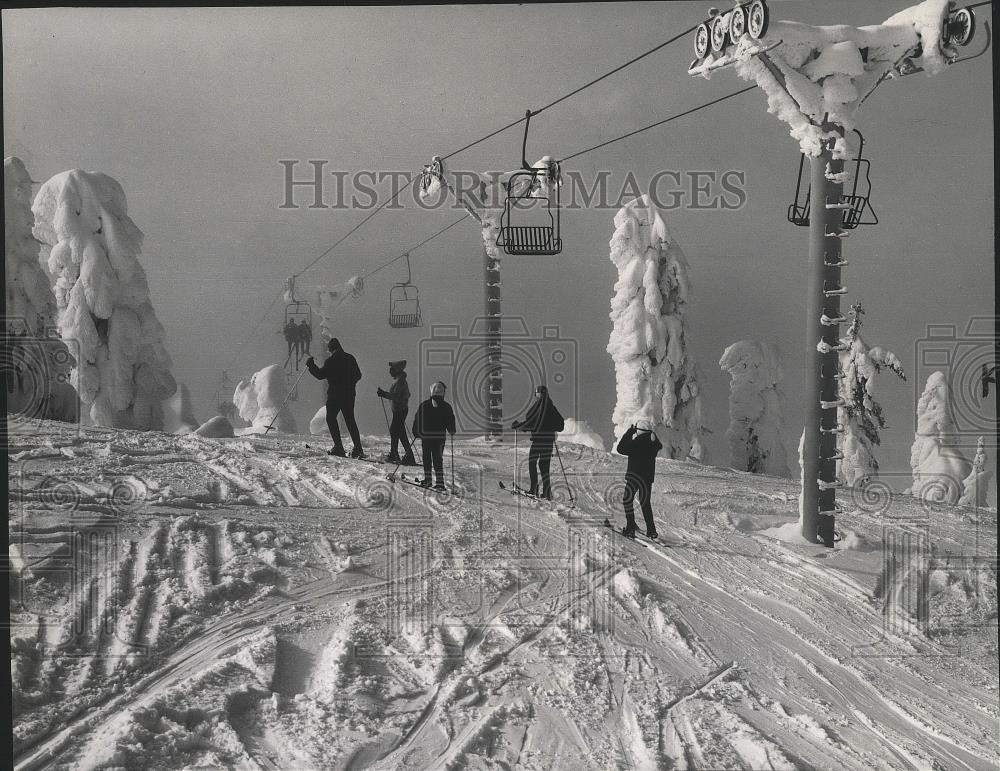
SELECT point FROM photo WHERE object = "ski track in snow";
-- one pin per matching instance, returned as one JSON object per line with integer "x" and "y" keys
{"x": 414, "y": 630}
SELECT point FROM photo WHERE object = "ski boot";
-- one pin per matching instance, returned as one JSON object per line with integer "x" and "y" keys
{"x": 338, "y": 451}
{"x": 651, "y": 534}
{"x": 629, "y": 531}
{"x": 441, "y": 487}
{"x": 424, "y": 483}
{"x": 391, "y": 457}
{"x": 358, "y": 453}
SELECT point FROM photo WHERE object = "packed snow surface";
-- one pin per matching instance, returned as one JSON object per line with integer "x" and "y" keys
{"x": 656, "y": 377}
{"x": 253, "y": 603}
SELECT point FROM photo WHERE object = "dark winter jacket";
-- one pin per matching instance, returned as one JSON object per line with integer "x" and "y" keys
{"x": 432, "y": 422}
{"x": 399, "y": 393}
{"x": 543, "y": 420}
{"x": 341, "y": 373}
{"x": 641, "y": 451}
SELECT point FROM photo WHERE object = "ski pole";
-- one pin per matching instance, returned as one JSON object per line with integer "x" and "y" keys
{"x": 287, "y": 397}
{"x": 563, "y": 469}
{"x": 386, "y": 415}
{"x": 453, "y": 460}
{"x": 516, "y": 479}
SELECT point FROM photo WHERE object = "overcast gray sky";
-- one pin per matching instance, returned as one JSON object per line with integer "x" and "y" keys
{"x": 191, "y": 110}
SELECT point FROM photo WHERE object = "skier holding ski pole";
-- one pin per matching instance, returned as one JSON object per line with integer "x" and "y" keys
{"x": 433, "y": 422}
{"x": 399, "y": 396}
{"x": 543, "y": 421}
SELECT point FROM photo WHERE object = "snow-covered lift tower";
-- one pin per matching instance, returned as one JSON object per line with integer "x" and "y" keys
{"x": 815, "y": 79}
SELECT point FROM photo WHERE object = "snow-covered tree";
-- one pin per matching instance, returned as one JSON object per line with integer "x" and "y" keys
{"x": 862, "y": 416}
{"x": 938, "y": 466}
{"x": 31, "y": 311}
{"x": 755, "y": 408}
{"x": 656, "y": 376}
{"x": 123, "y": 371}
{"x": 975, "y": 487}
{"x": 262, "y": 401}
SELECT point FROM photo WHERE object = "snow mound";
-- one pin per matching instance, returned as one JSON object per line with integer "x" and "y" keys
{"x": 216, "y": 428}
{"x": 123, "y": 369}
{"x": 755, "y": 408}
{"x": 178, "y": 412}
{"x": 317, "y": 426}
{"x": 580, "y": 432}
{"x": 262, "y": 401}
{"x": 656, "y": 377}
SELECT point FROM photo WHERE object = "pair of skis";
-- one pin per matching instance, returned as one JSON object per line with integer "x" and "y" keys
{"x": 516, "y": 489}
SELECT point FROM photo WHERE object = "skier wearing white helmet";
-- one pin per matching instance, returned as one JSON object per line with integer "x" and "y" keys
{"x": 641, "y": 444}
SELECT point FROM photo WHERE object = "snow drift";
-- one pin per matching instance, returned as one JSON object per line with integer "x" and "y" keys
{"x": 262, "y": 401}
{"x": 656, "y": 377}
{"x": 123, "y": 371}
{"x": 580, "y": 432}
{"x": 755, "y": 408}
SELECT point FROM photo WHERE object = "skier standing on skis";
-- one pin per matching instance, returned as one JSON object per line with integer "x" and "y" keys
{"x": 433, "y": 419}
{"x": 399, "y": 395}
{"x": 641, "y": 444}
{"x": 543, "y": 421}
{"x": 341, "y": 373}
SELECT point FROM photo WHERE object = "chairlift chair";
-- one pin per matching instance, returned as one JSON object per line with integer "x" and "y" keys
{"x": 530, "y": 188}
{"x": 856, "y": 205}
{"x": 404, "y": 303}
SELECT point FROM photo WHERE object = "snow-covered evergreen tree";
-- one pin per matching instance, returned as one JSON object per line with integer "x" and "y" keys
{"x": 755, "y": 408}
{"x": 976, "y": 486}
{"x": 656, "y": 376}
{"x": 31, "y": 311}
{"x": 862, "y": 416}
{"x": 938, "y": 466}
{"x": 123, "y": 371}
{"x": 262, "y": 401}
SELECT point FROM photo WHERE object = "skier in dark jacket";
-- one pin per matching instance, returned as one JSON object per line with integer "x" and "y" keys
{"x": 341, "y": 373}
{"x": 431, "y": 425}
{"x": 543, "y": 421}
{"x": 641, "y": 445}
{"x": 304, "y": 336}
{"x": 399, "y": 396}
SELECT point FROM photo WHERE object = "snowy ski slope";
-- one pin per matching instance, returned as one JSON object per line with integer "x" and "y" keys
{"x": 251, "y": 603}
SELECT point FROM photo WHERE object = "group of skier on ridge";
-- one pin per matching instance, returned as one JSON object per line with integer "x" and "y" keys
{"x": 435, "y": 420}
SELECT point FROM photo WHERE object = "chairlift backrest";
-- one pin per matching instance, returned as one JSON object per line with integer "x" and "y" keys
{"x": 858, "y": 204}
{"x": 404, "y": 302}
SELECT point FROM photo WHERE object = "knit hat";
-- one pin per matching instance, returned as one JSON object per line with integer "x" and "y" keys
{"x": 401, "y": 364}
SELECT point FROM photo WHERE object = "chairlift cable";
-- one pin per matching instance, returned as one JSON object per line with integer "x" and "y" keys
{"x": 574, "y": 92}
{"x": 394, "y": 260}
{"x": 658, "y": 123}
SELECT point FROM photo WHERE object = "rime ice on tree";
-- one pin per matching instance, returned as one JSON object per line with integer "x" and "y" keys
{"x": 123, "y": 372}
{"x": 261, "y": 401}
{"x": 755, "y": 408}
{"x": 861, "y": 416}
{"x": 975, "y": 487}
{"x": 938, "y": 466}
{"x": 656, "y": 377}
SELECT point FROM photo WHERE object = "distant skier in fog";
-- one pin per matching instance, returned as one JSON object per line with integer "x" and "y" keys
{"x": 641, "y": 445}
{"x": 341, "y": 373}
{"x": 543, "y": 421}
